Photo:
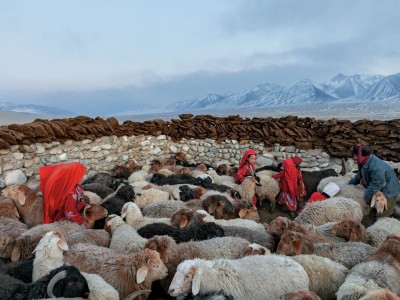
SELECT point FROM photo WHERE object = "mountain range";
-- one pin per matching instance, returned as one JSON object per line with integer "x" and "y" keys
{"x": 340, "y": 89}
{"x": 33, "y": 109}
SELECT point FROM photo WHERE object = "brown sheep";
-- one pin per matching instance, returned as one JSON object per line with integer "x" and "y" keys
{"x": 255, "y": 249}
{"x": 232, "y": 171}
{"x": 94, "y": 212}
{"x": 126, "y": 273}
{"x": 295, "y": 243}
{"x": 28, "y": 203}
{"x": 10, "y": 229}
{"x": 8, "y": 209}
{"x": 353, "y": 232}
{"x": 390, "y": 246}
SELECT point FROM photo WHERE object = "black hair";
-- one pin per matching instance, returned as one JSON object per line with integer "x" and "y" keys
{"x": 366, "y": 150}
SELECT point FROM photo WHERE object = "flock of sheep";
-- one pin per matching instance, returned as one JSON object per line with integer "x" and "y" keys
{"x": 169, "y": 230}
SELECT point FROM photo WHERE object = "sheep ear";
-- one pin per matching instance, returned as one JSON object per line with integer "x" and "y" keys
{"x": 21, "y": 198}
{"x": 123, "y": 212}
{"x": 141, "y": 274}
{"x": 297, "y": 247}
{"x": 184, "y": 221}
{"x": 385, "y": 205}
{"x": 212, "y": 208}
{"x": 15, "y": 254}
{"x": 196, "y": 282}
{"x": 373, "y": 200}
{"x": 242, "y": 212}
{"x": 62, "y": 244}
{"x": 89, "y": 216}
{"x": 354, "y": 237}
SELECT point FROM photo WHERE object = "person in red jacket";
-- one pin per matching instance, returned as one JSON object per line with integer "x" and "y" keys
{"x": 329, "y": 191}
{"x": 247, "y": 168}
{"x": 289, "y": 179}
{"x": 62, "y": 193}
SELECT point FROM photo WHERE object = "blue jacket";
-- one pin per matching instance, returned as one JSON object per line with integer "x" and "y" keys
{"x": 378, "y": 176}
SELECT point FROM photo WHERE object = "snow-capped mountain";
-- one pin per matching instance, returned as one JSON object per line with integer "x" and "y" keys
{"x": 339, "y": 89}
{"x": 34, "y": 109}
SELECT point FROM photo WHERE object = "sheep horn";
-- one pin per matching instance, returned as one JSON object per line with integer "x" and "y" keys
{"x": 136, "y": 294}
{"x": 59, "y": 276}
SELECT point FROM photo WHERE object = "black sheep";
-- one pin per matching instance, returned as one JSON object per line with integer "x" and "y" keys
{"x": 65, "y": 281}
{"x": 100, "y": 189}
{"x": 21, "y": 270}
{"x": 312, "y": 178}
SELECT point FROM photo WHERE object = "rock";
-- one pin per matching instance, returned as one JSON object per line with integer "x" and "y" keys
{"x": 14, "y": 177}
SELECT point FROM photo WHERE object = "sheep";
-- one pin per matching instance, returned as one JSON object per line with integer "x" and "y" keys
{"x": 348, "y": 254}
{"x": 101, "y": 177}
{"x": 325, "y": 275}
{"x": 195, "y": 232}
{"x": 124, "y": 239}
{"x": 10, "y": 229}
{"x": 160, "y": 179}
{"x": 238, "y": 277}
{"x": 183, "y": 192}
{"x": 207, "y": 296}
{"x": 330, "y": 210}
{"x": 255, "y": 249}
{"x": 73, "y": 232}
{"x": 232, "y": 222}
{"x": 220, "y": 179}
{"x": 379, "y": 202}
{"x": 354, "y": 192}
{"x": 381, "y": 270}
{"x": 8, "y": 209}
{"x": 99, "y": 189}
{"x": 353, "y": 232}
{"x": 29, "y": 204}
{"x": 139, "y": 175}
{"x": 21, "y": 270}
{"x": 134, "y": 217}
{"x": 382, "y": 228}
{"x": 381, "y": 294}
{"x": 300, "y": 295}
{"x": 269, "y": 189}
{"x": 262, "y": 238}
{"x": 65, "y": 281}
{"x": 173, "y": 254}
{"x": 247, "y": 189}
{"x": 126, "y": 273}
{"x": 48, "y": 254}
{"x": 162, "y": 209}
{"x": 313, "y": 178}
{"x": 114, "y": 202}
{"x": 150, "y": 195}
{"x": 92, "y": 197}
{"x": 94, "y": 212}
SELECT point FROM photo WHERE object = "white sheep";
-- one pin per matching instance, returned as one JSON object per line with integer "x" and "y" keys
{"x": 382, "y": 228}
{"x": 134, "y": 217}
{"x": 150, "y": 195}
{"x": 250, "y": 277}
{"x": 220, "y": 179}
{"x": 124, "y": 239}
{"x": 250, "y": 224}
{"x": 140, "y": 175}
{"x": 93, "y": 197}
{"x": 331, "y": 210}
{"x": 269, "y": 189}
{"x": 49, "y": 254}
{"x": 326, "y": 275}
{"x": 354, "y": 192}
{"x": 162, "y": 209}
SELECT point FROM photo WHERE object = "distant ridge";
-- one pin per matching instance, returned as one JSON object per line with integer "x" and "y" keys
{"x": 339, "y": 89}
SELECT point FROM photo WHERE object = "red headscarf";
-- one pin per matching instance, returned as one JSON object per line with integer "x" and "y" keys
{"x": 292, "y": 177}
{"x": 297, "y": 160}
{"x": 246, "y": 155}
{"x": 56, "y": 182}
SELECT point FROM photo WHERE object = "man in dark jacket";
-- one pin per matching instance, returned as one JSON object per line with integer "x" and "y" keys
{"x": 376, "y": 175}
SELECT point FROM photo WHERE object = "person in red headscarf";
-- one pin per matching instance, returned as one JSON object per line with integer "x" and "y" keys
{"x": 62, "y": 193}
{"x": 289, "y": 179}
{"x": 247, "y": 168}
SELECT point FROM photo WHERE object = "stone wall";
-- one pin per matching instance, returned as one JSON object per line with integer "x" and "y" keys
{"x": 21, "y": 163}
{"x": 335, "y": 137}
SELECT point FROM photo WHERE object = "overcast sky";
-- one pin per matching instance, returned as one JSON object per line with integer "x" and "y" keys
{"x": 81, "y": 55}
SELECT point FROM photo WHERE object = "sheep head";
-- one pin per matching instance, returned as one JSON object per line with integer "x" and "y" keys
{"x": 255, "y": 249}
{"x": 150, "y": 267}
{"x": 391, "y": 245}
{"x": 290, "y": 244}
{"x": 300, "y": 295}
{"x": 8, "y": 209}
{"x": 182, "y": 217}
{"x": 278, "y": 226}
{"x": 379, "y": 201}
{"x": 186, "y": 278}
{"x": 349, "y": 230}
{"x": 19, "y": 193}
{"x": 94, "y": 212}
{"x": 53, "y": 237}
{"x": 250, "y": 213}
{"x": 161, "y": 244}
